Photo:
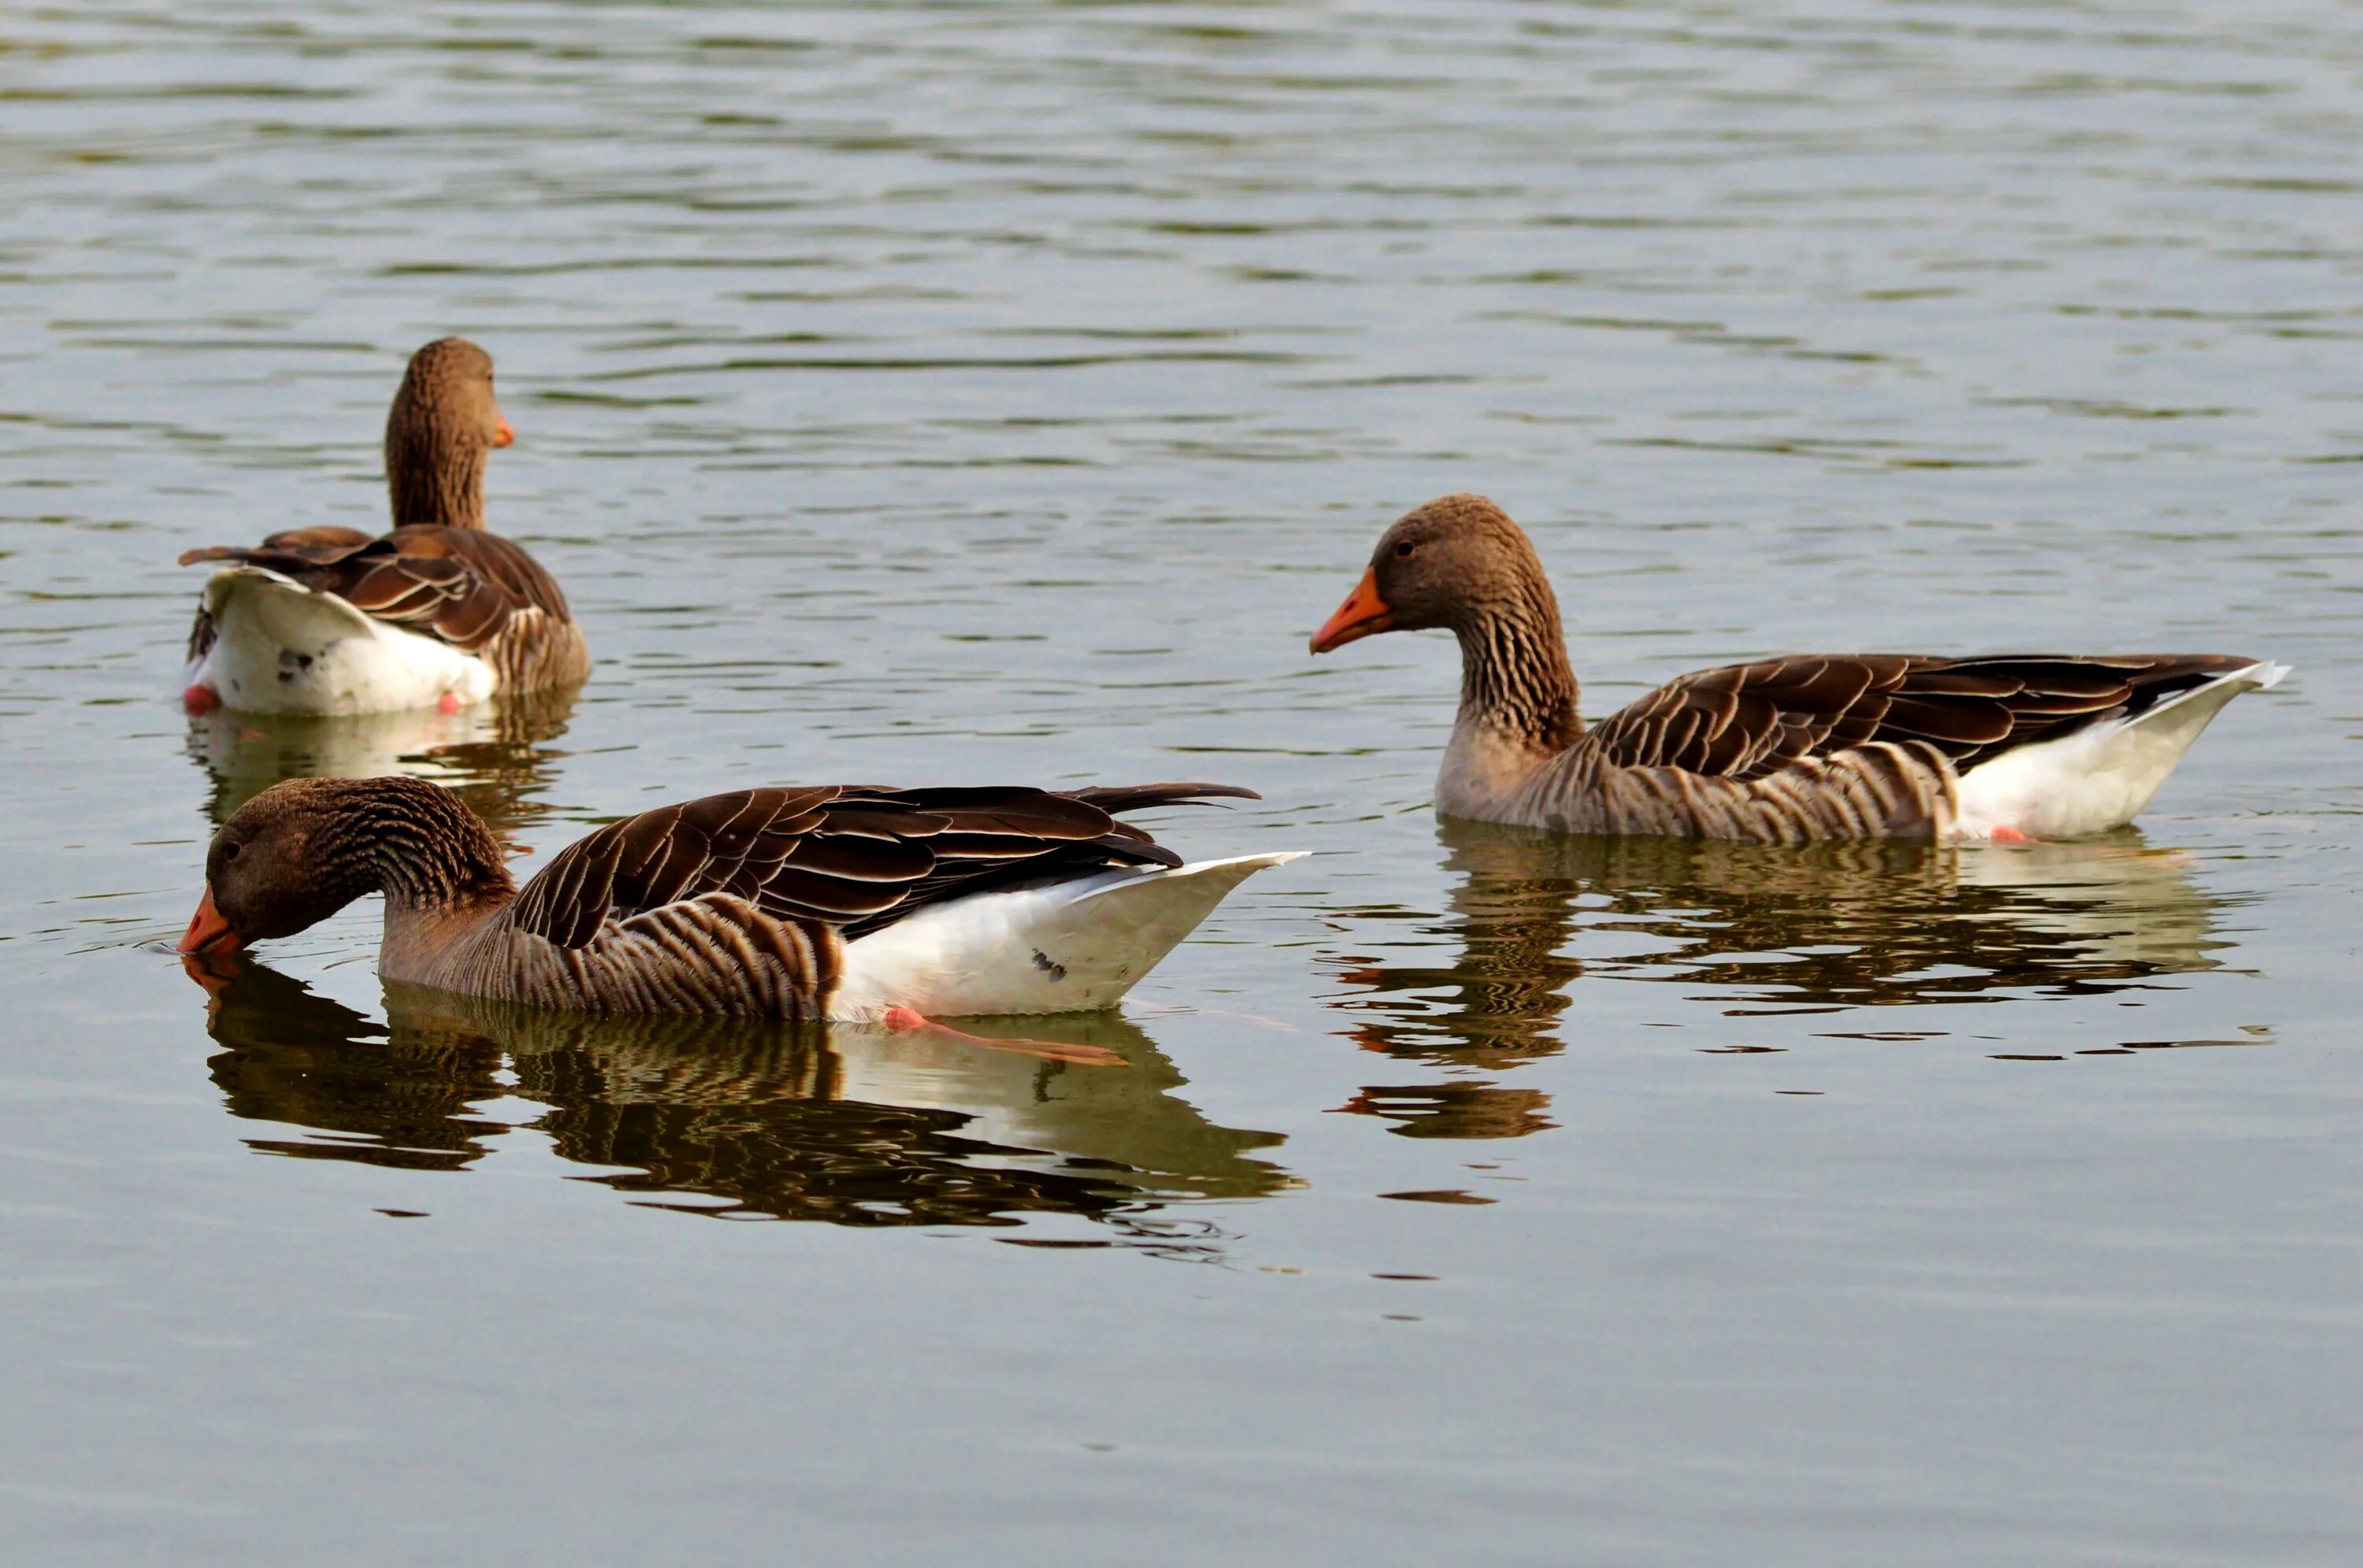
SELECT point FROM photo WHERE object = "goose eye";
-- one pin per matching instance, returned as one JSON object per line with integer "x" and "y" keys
{"x": 1405, "y": 549}
{"x": 229, "y": 851}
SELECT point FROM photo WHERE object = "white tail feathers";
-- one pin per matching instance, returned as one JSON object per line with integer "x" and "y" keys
{"x": 280, "y": 648}
{"x": 1068, "y": 946}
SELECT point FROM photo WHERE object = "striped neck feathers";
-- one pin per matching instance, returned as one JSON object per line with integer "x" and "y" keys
{"x": 434, "y": 464}
{"x": 1515, "y": 680}
{"x": 412, "y": 841}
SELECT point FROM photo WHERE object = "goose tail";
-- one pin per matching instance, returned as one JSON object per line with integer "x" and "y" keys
{"x": 280, "y": 648}
{"x": 2101, "y": 776}
{"x": 1068, "y": 946}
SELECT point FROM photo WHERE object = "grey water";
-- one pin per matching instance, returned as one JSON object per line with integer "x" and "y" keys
{"x": 1002, "y": 392}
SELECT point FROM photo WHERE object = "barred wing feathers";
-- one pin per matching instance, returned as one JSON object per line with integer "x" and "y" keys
{"x": 854, "y": 858}
{"x": 1747, "y": 722}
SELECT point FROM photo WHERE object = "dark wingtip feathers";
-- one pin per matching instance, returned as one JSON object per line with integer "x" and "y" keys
{"x": 1115, "y": 799}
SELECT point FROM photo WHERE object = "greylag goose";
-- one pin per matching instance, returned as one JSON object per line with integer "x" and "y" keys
{"x": 1818, "y": 747}
{"x": 435, "y": 613}
{"x": 843, "y": 902}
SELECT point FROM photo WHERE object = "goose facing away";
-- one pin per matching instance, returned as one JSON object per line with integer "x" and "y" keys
{"x": 1816, "y": 746}
{"x": 435, "y": 613}
{"x": 844, "y": 902}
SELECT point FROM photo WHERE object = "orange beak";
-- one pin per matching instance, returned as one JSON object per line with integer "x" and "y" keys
{"x": 504, "y": 436}
{"x": 1363, "y": 614}
{"x": 208, "y": 933}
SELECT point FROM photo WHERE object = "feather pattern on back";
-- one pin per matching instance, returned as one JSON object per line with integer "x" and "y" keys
{"x": 1748, "y": 720}
{"x": 473, "y": 591}
{"x": 1837, "y": 745}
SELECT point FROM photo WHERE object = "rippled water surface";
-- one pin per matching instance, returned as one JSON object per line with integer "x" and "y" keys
{"x": 966, "y": 393}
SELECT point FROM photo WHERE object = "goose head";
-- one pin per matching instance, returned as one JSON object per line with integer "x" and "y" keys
{"x": 263, "y": 877}
{"x": 303, "y": 849}
{"x": 444, "y": 424}
{"x": 1451, "y": 563}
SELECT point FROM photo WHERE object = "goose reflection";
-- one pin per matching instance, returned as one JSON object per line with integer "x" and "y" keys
{"x": 722, "y": 1116}
{"x": 497, "y": 754}
{"x": 1511, "y": 912}
{"x": 1823, "y": 928}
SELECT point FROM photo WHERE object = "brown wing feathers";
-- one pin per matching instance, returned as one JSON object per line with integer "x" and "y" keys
{"x": 1752, "y": 720}
{"x": 852, "y": 856}
{"x": 319, "y": 546}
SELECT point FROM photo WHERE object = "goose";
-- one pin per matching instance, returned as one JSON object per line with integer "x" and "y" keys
{"x": 437, "y": 613}
{"x": 842, "y": 902}
{"x": 2008, "y": 748}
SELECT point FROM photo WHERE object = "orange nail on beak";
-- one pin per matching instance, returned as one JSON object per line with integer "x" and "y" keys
{"x": 208, "y": 933}
{"x": 1363, "y": 614}
{"x": 504, "y": 436}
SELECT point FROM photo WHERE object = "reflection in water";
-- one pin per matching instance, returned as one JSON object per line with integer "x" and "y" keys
{"x": 748, "y": 1120}
{"x": 495, "y": 755}
{"x": 1454, "y": 1111}
{"x": 1820, "y": 929}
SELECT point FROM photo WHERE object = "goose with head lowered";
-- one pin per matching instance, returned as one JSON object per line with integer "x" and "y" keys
{"x": 2009, "y": 746}
{"x": 435, "y": 613}
{"x": 842, "y": 902}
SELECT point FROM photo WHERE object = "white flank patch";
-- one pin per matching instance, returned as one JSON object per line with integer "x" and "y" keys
{"x": 2101, "y": 777}
{"x": 279, "y": 647}
{"x": 1070, "y": 946}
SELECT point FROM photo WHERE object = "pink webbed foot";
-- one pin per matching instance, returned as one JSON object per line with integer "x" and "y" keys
{"x": 2010, "y": 836}
{"x": 909, "y": 1020}
{"x": 200, "y": 699}
{"x": 449, "y": 703}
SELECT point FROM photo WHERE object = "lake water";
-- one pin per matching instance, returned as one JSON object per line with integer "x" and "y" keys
{"x": 1001, "y": 393}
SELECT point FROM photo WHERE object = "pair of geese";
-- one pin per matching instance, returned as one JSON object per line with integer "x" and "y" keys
{"x": 884, "y": 905}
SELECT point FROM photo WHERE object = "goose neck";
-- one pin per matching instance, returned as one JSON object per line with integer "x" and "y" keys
{"x": 434, "y": 479}
{"x": 440, "y": 868}
{"x": 1515, "y": 682}
{"x": 416, "y": 845}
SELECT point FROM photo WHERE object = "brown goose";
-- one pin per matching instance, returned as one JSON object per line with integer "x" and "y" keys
{"x": 838, "y": 902}
{"x": 437, "y": 613}
{"x": 1819, "y": 746}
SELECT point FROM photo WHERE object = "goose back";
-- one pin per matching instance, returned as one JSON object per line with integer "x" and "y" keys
{"x": 746, "y": 903}
{"x": 474, "y": 591}
{"x": 1837, "y": 745}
